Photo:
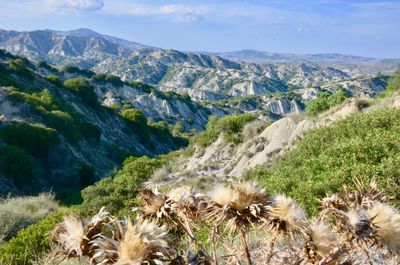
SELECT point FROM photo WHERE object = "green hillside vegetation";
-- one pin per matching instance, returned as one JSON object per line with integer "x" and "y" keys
{"x": 365, "y": 146}
{"x": 325, "y": 101}
{"x": 230, "y": 126}
{"x": 57, "y": 116}
{"x": 393, "y": 85}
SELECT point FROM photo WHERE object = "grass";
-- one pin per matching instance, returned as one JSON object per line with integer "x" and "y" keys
{"x": 19, "y": 212}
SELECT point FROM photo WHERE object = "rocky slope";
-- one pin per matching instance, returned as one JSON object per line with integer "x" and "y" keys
{"x": 78, "y": 138}
{"x": 261, "y": 146}
{"x": 203, "y": 77}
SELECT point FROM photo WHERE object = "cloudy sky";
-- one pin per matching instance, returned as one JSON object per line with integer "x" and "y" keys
{"x": 359, "y": 27}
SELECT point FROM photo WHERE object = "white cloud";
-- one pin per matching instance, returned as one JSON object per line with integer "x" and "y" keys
{"x": 178, "y": 12}
{"x": 75, "y": 5}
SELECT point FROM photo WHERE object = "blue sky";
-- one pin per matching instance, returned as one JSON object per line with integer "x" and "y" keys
{"x": 359, "y": 27}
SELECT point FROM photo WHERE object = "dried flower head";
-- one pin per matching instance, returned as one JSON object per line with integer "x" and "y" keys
{"x": 286, "y": 216}
{"x": 386, "y": 221}
{"x": 144, "y": 243}
{"x": 323, "y": 237}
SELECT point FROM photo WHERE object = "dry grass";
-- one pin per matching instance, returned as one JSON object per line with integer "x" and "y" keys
{"x": 19, "y": 212}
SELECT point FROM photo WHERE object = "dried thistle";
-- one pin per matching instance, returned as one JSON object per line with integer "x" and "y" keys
{"x": 75, "y": 234}
{"x": 286, "y": 216}
{"x": 386, "y": 221}
{"x": 144, "y": 243}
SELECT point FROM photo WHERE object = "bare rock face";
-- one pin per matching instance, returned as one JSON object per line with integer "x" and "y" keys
{"x": 222, "y": 160}
{"x": 203, "y": 77}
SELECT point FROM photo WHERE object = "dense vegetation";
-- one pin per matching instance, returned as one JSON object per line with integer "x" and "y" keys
{"x": 230, "y": 126}
{"x": 325, "y": 101}
{"x": 118, "y": 193}
{"x": 393, "y": 86}
{"x": 365, "y": 146}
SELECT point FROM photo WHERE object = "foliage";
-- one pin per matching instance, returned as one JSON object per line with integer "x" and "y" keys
{"x": 145, "y": 88}
{"x": 30, "y": 242}
{"x": 393, "y": 85}
{"x": 365, "y": 145}
{"x": 118, "y": 193}
{"x": 325, "y": 101}
{"x": 230, "y": 126}
{"x": 137, "y": 122}
{"x": 76, "y": 70}
{"x": 35, "y": 139}
{"x": 81, "y": 87}
{"x": 19, "y": 212}
{"x": 19, "y": 67}
{"x": 106, "y": 78}
{"x": 55, "y": 80}
{"x": 16, "y": 164}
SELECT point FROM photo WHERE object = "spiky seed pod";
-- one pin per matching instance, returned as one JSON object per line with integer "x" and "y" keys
{"x": 324, "y": 239}
{"x": 359, "y": 222}
{"x": 386, "y": 221}
{"x": 106, "y": 248}
{"x": 75, "y": 235}
{"x": 70, "y": 234}
{"x": 154, "y": 203}
{"x": 187, "y": 204}
{"x": 144, "y": 243}
{"x": 239, "y": 196}
{"x": 286, "y": 216}
{"x": 240, "y": 204}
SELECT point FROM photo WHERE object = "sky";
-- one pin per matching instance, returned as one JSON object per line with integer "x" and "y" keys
{"x": 358, "y": 27}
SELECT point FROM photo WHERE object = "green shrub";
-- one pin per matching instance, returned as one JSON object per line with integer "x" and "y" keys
{"x": 393, "y": 86}
{"x": 104, "y": 78}
{"x": 230, "y": 126}
{"x": 141, "y": 86}
{"x": 30, "y": 242}
{"x": 137, "y": 122}
{"x": 40, "y": 100}
{"x": 76, "y": 70}
{"x": 35, "y": 139}
{"x": 365, "y": 146}
{"x": 82, "y": 88}
{"x": 16, "y": 164}
{"x": 19, "y": 212}
{"x": 55, "y": 80}
{"x": 64, "y": 123}
{"x": 325, "y": 101}
{"x": 19, "y": 66}
{"x": 45, "y": 65}
{"x": 118, "y": 193}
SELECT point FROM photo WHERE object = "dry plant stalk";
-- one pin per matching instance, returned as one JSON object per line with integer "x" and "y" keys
{"x": 354, "y": 227}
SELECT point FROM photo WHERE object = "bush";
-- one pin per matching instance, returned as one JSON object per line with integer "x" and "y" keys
{"x": 76, "y": 70}
{"x": 35, "y": 139}
{"x": 230, "y": 126}
{"x": 118, "y": 193}
{"x": 145, "y": 88}
{"x": 137, "y": 122}
{"x": 393, "y": 86}
{"x": 55, "y": 80}
{"x": 16, "y": 164}
{"x": 104, "y": 78}
{"x": 365, "y": 146}
{"x": 19, "y": 212}
{"x": 82, "y": 88}
{"x": 41, "y": 100}
{"x": 19, "y": 67}
{"x": 325, "y": 101}
{"x": 30, "y": 242}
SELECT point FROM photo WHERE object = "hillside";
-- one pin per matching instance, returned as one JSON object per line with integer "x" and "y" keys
{"x": 55, "y": 133}
{"x": 202, "y": 76}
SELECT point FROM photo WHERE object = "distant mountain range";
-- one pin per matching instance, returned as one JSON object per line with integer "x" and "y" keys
{"x": 204, "y": 76}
